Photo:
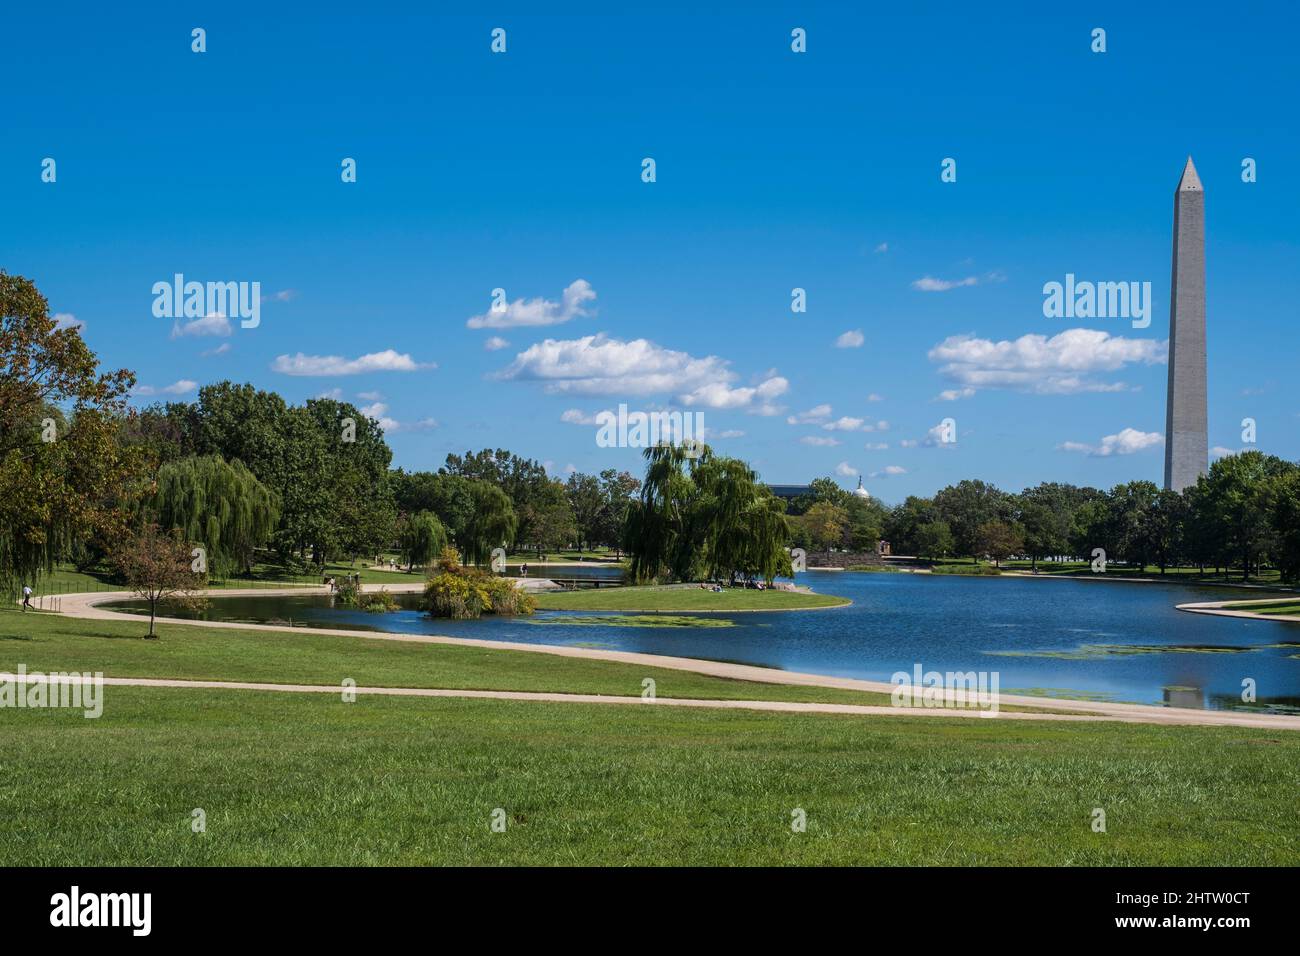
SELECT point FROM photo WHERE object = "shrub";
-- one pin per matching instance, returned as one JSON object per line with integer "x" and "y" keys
{"x": 460, "y": 592}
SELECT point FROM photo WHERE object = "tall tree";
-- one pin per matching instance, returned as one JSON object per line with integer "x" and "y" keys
{"x": 966, "y": 506}
{"x": 422, "y": 538}
{"x": 216, "y": 504}
{"x": 492, "y": 522}
{"x": 64, "y": 474}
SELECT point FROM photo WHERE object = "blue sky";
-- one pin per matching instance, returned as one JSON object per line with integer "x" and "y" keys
{"x": 775, "y": 170}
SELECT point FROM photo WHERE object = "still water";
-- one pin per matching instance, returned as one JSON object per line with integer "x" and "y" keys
{"x": 1107, "y": 640}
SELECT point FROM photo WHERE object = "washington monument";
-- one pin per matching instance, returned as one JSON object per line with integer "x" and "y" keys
{"x": 1186, "y": 440}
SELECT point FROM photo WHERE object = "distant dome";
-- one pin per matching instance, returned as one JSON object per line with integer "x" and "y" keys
{"x": 859, "y": 491}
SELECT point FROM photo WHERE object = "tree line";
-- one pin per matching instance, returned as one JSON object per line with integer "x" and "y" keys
{"x": 246, "y": 475}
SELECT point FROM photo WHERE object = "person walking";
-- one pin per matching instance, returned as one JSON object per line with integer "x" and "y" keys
{"x": 27, "y": 599}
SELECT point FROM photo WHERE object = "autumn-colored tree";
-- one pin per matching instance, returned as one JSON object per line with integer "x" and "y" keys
{"x": 158, "y": 566}
{"x": 64, "y": 476}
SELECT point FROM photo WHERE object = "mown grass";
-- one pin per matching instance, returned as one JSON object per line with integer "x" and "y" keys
{"x": 50, "y": 642}
{"x": 291, "y": 779}
{"x": 1281, "y": 607}
{"x": 684, "y": 598}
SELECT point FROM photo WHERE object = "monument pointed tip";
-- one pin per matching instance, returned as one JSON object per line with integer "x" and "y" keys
{"x": 1189, "y": 180}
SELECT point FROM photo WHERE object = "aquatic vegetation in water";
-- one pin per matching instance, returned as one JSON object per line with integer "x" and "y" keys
{"x": 636, "y": 620}
{"x": 1062, "y": 692}
{"x": 1094, "y": 652}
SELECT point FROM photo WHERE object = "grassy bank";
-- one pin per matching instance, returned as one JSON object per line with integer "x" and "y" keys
{"x": 1281, "y": 607}
{"x": 49, "y": 642}
{"x": 296, "y": 779}
{"x": 684, "y": 598}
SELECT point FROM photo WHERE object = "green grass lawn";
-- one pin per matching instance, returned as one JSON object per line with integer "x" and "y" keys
{"x": 1281, "y": 607}
{"x": 297, "y": 779}
{"x": 685, "y": 598}
{"x": 50, "y": 642}
{"x": 1171, "y": 575}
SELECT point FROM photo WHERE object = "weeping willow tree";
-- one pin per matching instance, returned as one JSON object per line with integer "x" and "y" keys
{"x": 217, "y": 504}
{"x": 491, "y": 524}
{"x": 422, "y": 537}
{"x": 703, "y": 517}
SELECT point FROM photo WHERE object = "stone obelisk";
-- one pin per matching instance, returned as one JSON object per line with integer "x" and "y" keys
{"x": 1186, "y": 439}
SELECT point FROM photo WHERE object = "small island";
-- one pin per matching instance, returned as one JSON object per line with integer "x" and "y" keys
{"x": 686, "y": 598}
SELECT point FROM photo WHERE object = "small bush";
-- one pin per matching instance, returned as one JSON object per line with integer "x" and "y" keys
{"x": 379, "y": 602}
{"x": 465, "y": 593}
{"x": 975, "y": 569}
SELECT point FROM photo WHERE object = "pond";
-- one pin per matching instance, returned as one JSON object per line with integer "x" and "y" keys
{"x": 1095, "y": 639}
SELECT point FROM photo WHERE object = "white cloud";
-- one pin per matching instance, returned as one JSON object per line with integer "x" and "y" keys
{"x": 575, "y": 416}
{"x": 495, "y": 344}
{"x": 820, "y": 441}
{"x": 212, "y": 324}
{"x": 1218, "y": 451}
{"x": 757, "y": 397}
{"x": 889, "y": 471}
{"x": 934, "y": 438}
{"x": 873, "y": 397}
{"x": 539, "y": 311}
{"x": 599, "y": 365}
{"x": 221, "y": 349}
{"x": 931, "y": 284}
{"x": 845, "y": 470}
{"x": 371, "y": 396}
{"x": 953, "y": 394}
{"x": 385, "y": 361}
{"x": 846, "y": 423}
{"x": 731, "y": 433}
{"x": 66, "y": 320}
{"x": 908, "y": 443}
{"x": 850, "y": 340}
{"x": 334, "y": 393}
{"x": 814, "y": 415}
{"x": 379, "y": 412}
{"x": 883, "y": 247}
{"x": 284, "y": 295}
{"x": 182, "y": 387}
{"x": 1126, "y": 442}
{"x": 876, "y": 445}
{"x": 1065, "y": 364}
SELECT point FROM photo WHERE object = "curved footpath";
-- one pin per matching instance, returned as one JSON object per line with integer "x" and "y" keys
{"x": 86, "y": 606}
{"x": 1219, "y": 608}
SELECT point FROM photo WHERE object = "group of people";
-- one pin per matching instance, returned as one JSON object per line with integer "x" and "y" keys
{"x": 332, "y": 582}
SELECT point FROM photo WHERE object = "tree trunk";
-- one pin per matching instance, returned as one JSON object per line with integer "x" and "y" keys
{"x": 153, "y": 606}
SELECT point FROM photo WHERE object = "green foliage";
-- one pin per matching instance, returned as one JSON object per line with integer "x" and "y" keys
{"x": 461, "y": 592}
{"x": 63, "y": 472}
{"x": 492, "y": 522}
{"x": 422, "y": 537}
{"x": 704, "y": 517}
{"x": 216, "y": 504}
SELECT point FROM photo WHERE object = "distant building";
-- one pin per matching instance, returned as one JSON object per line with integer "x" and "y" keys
{"x": 790, "y": 492}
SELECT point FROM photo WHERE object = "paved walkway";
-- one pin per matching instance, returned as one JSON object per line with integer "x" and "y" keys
{"x": 1218, "y": 607}
{"x": 85, "y": 606}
